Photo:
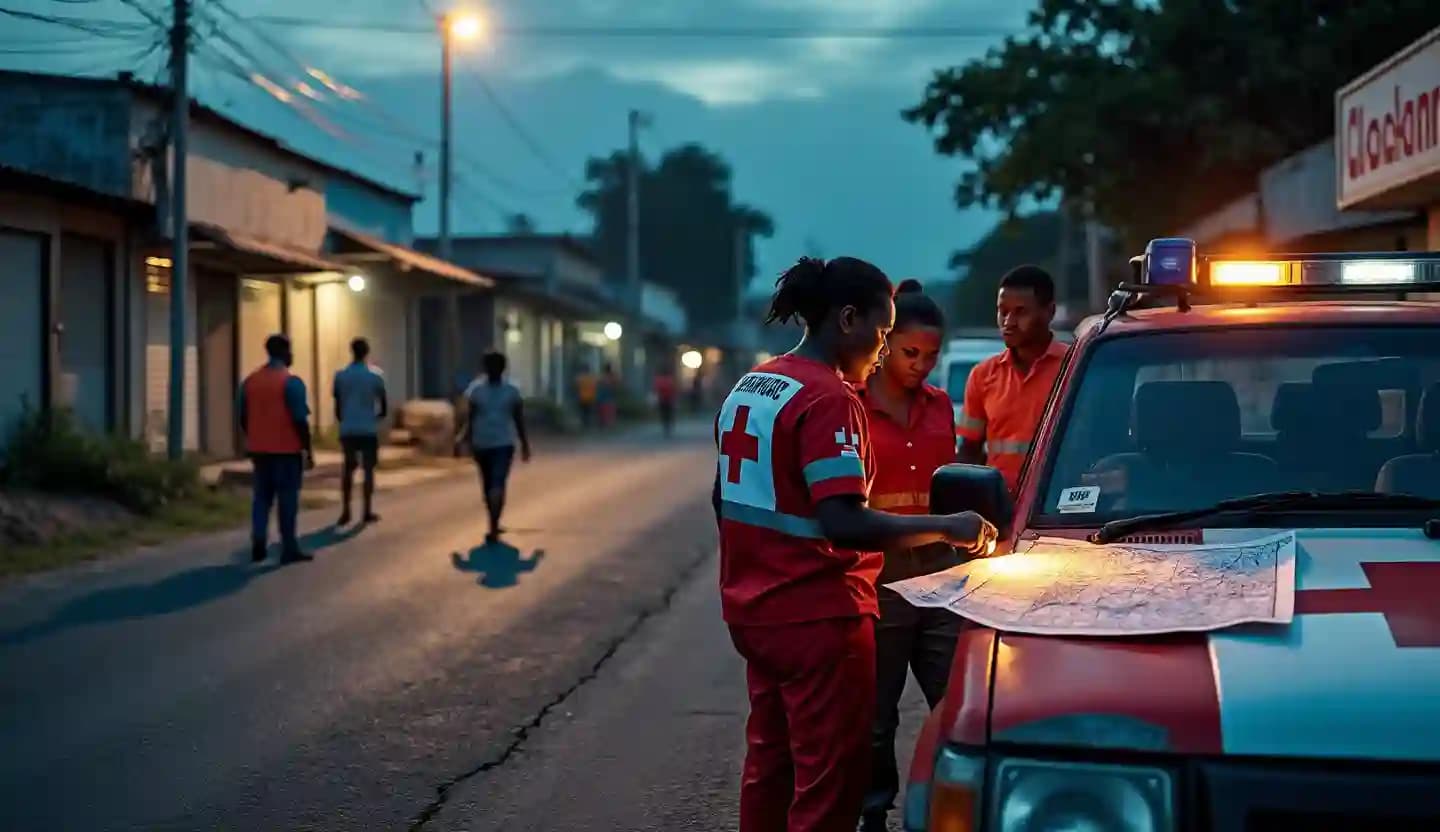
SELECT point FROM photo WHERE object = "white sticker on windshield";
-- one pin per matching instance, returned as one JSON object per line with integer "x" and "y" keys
{"x": 1079, "y": 500}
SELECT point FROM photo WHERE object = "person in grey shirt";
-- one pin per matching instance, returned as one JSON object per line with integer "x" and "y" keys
{"x": 497, "y": 419}
{"x": 360, "y": 404}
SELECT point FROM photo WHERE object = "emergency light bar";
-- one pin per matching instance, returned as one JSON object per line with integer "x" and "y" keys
{"x": 1174, "y": 262}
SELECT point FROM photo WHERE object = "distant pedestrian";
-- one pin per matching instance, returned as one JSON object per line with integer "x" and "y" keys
{"x": 360, "y": 404}
{"x": 274, "y": 418}
{"x": 586, "y": 391}
{"x": 497, "y": 419}
{"x": 665, "y": 400}
{"x": 606, "y": 396}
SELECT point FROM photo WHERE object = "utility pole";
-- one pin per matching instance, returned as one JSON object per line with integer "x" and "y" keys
{"x": 452, "y": 347}
{"x": 179, "y": 223}
{"x": 632, "y": 251}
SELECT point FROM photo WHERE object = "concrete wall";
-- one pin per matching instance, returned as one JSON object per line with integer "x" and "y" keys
{"x": 241, "y": 185}
{"x": 1298, "y": 198}
{"x": 74, "y": 133}
{"x": 369, "y": 210}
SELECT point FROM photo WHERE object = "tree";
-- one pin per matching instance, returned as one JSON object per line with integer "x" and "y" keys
{"x": 1155, "y": 113}
{"x": 691, "y": 230}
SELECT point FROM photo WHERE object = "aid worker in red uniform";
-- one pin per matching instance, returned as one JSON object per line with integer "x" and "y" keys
{"x": 274, "y": 417}
{"x": 800, "y": 550}
{"x": 912, "y": 429}
{"x": 1006, "y": 394}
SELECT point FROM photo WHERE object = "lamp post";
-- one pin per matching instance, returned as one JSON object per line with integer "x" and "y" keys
{"x": 463, "y": 27}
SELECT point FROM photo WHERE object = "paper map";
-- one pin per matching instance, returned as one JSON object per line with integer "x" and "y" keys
{"x": 1068, "y": 587}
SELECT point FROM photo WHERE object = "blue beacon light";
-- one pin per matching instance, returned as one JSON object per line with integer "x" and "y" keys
{"x": 1170, "y": 261}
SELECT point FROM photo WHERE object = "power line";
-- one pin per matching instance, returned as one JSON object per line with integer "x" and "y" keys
{"x": 525, "y": 136}
{"x": 738, "y": 32}
{"x": 99, "y": 28}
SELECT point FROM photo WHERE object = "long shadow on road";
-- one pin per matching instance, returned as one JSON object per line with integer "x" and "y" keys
{"x": 498, "y": 563}
{"x": 180, "y": 591}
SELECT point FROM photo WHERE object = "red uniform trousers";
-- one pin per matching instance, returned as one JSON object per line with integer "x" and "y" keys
{"x": 812, "y": 700}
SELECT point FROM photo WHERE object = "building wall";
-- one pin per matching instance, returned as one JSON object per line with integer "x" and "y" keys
{"x": 381, "y": 315}
{"x": 75, "y": 133}
{"x": 369, "y": 210}
{"x": 235, "y": 182}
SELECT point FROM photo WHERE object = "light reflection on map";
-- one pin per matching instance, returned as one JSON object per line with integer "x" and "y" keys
{"x": 1067, "y": 587}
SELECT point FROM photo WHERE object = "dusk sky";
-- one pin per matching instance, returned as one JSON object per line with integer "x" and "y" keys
{"x": 811, "y": 126}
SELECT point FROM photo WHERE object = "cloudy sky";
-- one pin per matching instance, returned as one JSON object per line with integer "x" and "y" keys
{"x": 811, "y": 126}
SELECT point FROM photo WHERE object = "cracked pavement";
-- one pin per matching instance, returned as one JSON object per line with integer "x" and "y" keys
{"x": 183, "y": 688}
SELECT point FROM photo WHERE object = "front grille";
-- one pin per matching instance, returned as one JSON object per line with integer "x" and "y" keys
{"x": 1284, "y": 796}
{"x": 1188, "y": 537}
{"x": 1273, "y": 821}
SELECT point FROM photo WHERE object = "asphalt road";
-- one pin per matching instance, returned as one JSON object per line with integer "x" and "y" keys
{"x": 409, "y": 678}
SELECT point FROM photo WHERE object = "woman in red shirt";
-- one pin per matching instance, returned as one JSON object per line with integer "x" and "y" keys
{"x": 799, "y": 550}
{"x": 912, "y": 429}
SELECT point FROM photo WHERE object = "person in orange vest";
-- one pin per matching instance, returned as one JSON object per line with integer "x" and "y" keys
{"x": 1006, "y": 394}
{"x": 274, "y": 417}
{"x": 586, "y": 389}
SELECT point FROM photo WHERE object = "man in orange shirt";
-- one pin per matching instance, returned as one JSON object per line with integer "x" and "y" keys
{"x": 275, "y": 419}
{"x": 1006, "y": 394}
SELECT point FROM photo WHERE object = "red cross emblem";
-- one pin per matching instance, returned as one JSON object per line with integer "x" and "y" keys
{"x": 1407, "y": 594}
{"x": 737, "y": 444}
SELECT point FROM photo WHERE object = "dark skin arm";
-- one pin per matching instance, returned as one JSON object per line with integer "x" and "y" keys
{"x": 848, "y": 523}
{"x": 520, "y": 431}
{"x": 971, "y": 453}
{"x": 384, "y": 405}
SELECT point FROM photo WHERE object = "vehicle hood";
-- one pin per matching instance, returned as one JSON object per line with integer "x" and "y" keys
{"x": 1356, "y": 675}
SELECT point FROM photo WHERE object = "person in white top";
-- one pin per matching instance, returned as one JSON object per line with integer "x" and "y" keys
{"x": 360, "y": 404}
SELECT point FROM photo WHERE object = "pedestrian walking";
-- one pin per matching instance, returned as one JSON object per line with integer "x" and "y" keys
{"x": 606, "y": 396}
{"x": 912, "y": 428}
{"x": 665, "y": 400}
{"x": 799, "y": 550}
{"x": 586, "y": 390}
{"x": 1006, "y": 393}
{"x": 360, "y": 404}
{"x": 496, "y": 421}
{"x": 275, "y": 421}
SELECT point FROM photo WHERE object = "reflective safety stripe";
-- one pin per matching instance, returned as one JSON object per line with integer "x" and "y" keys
{"x": 834, "y": 468}
{"x": 968, "y": 422}
{"x": 900, "y": 499}
{"x": 1005, "y": 446}
{"x": 807, "y": 527}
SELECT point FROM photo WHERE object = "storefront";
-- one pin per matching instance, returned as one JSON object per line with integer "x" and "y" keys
{"x": 1387, "y": 129}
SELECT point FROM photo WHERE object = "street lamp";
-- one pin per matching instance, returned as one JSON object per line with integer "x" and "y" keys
{"x": 356, "y": 282}
{"x": 614, "y": 330}
{"x": 464, "y": 26}
{"x": 692, "y": 359}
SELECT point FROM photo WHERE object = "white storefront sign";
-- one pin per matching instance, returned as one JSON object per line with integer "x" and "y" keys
{"x": 1387, "y": 124}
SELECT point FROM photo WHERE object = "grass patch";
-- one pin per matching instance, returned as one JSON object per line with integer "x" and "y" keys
{"x": 204, "y": 510}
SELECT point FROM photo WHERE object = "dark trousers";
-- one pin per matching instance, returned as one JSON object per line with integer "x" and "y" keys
{"x": 907, "y": 639}
{"x": 812, "y": 694}
{"x": 277, "y": 482}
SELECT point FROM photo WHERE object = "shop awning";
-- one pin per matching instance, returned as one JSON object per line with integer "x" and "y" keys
{"x": 408, "y": 259}
{"x": 212, "y": 245}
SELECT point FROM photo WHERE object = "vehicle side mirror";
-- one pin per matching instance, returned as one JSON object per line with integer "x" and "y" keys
{"x": 978, "y": 488}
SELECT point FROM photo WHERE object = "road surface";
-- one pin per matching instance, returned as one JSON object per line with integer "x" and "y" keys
{"x": 409, "y": 678}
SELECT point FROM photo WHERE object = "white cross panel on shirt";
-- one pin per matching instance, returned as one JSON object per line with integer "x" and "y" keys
{"x": 841, "y": 439}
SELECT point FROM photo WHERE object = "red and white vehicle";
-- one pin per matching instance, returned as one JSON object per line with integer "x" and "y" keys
{"x": 1222, "y": 400}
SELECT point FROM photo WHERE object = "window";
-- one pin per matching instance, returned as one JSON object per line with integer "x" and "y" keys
{"x": 1174, "y": 421}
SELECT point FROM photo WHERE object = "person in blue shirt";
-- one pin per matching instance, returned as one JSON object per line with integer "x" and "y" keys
{"x": 274, "y": 417}
{"x": 360, "y": 404}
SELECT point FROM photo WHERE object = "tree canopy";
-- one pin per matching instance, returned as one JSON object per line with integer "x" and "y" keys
{"x": 1155, "y": 113}
{"x": 689, "y": 222}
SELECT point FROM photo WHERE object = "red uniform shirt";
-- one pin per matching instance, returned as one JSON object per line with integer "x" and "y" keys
{"x": 907, "y": 455}
{"x": 790, "y": 434}
{"x": 1003, "y": 407}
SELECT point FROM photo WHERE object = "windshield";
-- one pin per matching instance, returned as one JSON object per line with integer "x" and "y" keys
{"x": 1180, "y": 421}
{"x": 959, "y": 375}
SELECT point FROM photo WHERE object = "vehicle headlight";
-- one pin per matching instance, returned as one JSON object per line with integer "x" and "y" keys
{"x": 1043, "y": 796}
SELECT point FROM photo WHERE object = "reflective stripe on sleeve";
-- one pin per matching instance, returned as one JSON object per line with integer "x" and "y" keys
{"x": 970, "y": 423}
{"x": 1007, "y": 446}
{"x": 834, "y": 468}
{"x": 807, "y": 527}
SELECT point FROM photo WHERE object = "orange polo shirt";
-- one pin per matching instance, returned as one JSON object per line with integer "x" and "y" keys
{"x": 1003, "y": 407}
{"x": 906, "y": 456}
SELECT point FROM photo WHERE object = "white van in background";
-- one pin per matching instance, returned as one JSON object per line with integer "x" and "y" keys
{"x": 959, "y": 358}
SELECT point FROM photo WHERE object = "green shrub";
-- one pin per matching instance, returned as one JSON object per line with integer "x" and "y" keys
{"x": 50, "y": 451}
